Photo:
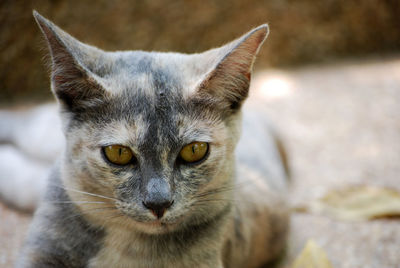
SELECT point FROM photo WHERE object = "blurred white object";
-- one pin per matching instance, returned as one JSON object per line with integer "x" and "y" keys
{"x": 30, "y": 141}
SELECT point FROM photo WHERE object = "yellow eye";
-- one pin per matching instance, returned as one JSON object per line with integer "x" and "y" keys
{"x": 194, "y": 151}
{"x": 118, "y": 154}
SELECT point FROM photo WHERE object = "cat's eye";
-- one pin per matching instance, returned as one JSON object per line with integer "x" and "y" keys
{"x": 194, "y": 152}
{"x": 118, "y": 154}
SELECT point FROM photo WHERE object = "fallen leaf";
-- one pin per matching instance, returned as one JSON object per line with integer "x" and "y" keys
{"x": 358, "y": 203}
{"x": 312, "y": 256}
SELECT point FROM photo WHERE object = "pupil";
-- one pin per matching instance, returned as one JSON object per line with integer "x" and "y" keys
{"x": 193, "y": 149}
{"x": 120, "y": 151}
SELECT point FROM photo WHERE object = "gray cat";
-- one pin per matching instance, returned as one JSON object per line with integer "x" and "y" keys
{"x": 149, "y": 176}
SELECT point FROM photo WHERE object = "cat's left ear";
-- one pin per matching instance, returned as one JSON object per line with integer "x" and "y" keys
{"x": 229, "y": 80}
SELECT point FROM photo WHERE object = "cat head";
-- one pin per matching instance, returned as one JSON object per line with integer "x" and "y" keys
{"x": 150, "y": 135}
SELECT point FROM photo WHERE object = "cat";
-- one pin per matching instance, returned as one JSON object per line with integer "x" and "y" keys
{"x": 153, "y": 173}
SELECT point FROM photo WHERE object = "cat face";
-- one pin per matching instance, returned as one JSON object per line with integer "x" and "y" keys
{"x": 150, "y": 136}
{"x": 155, "y": 128}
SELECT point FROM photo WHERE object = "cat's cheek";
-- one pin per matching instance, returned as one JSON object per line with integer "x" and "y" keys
{"x": 89, "y": 172}
{"x": 194, "y": 178}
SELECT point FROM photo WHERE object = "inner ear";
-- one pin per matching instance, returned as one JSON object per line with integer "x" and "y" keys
{"x": 227, "y": 83}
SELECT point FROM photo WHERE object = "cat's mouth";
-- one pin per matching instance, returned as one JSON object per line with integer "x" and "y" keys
{"x": 147, "y": 222}
{"x": 151, "y": 225}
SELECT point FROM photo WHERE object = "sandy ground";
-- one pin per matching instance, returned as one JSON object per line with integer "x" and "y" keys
{"x": 341, "y": 125}
{"x": 13, "y": 226}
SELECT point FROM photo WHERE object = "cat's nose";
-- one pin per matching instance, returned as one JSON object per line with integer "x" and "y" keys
{"x": 158, "y": 208}
{"x": 158, "y": 196}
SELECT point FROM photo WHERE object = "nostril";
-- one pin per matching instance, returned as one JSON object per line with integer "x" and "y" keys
{"x": 158, "y": 208}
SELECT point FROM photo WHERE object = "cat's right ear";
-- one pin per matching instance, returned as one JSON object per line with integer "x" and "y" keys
{"x": 72, "y": 81}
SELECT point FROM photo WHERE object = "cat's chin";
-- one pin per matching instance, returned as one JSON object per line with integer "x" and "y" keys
{"x": 156, "y": 227}
{"x": 150, "y": 226}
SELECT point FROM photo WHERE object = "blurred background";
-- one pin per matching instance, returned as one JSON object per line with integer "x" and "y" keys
{"x": 302, "y": 32}
{"x": 328, "y": 77}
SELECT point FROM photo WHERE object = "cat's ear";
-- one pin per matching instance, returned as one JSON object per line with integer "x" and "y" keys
{"x": 229, "y": 79}
{"x": 73, "y": 83}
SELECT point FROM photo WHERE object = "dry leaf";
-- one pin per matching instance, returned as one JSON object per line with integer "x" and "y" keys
{"x": 312, "y": 256}
{"x": 359, "y": 203}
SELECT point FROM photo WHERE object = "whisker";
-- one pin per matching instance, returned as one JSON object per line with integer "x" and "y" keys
{"x": 215, "y": 200}
{"x": 225, "y": 188}
{"x": 118, "y": 215}
{"x": 89, "y": 211}
{"x": 214, "y": 191}
{"x": 207, "y": 204}
{"x": 87, "y": 193}
{"x": 76, "y": 202}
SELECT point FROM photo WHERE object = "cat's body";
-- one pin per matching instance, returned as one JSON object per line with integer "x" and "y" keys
{"x": 224, "y": 210}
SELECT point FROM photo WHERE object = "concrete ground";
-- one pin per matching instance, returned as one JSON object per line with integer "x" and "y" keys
{"x": 341, "y": 125}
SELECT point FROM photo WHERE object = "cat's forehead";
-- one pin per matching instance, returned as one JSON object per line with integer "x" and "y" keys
{"x": 151, "y": 73}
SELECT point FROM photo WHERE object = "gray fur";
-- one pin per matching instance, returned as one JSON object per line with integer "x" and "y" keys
{"x": 60, "y": 237}
{"x": 156, "y": 103}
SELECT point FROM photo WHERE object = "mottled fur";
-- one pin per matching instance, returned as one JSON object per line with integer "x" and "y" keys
{"x": 223, "y": 215}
